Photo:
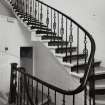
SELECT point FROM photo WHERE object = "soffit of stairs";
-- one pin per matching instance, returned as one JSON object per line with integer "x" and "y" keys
{"x": 7, "y": 6}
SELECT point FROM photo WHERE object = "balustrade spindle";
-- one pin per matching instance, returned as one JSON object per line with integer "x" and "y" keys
{"x": 24, "y": 93}
{"x": 20, "y": 3}
{"x": 32, "y": 88}
{"x": 77, "y": 49}
{"x": 54, "y": 24}
{"x": 30, "y": 10}
{"x": 63, "y": 99}
{"x": 66, "y": 36}
{"x": 28, "y": 82}
{"x": 48, "y": 96}
{"x": 62, "y": 30}
{"x": 85, "y": 96}
{"x": 93, "y": 82}
{"x": 51, "y": 25}
{"x": 36, "y": 97}
{"x": 90, "y": 101}
{"x": 85, "y": 50}
{"x": 73, "y": 99}
{"x": 33, "y": 7}
{"x": 38, "y": 11}
{"x": 71, "y": 41}
{"x": 18, "y": 90}
{"x": 20, "y": 94}
{"x": 17, "y": 4}
{"x": 23, "y": 7}
{"x": 41, "y": 15}
{"x": 42, "y": 94}
{"x": 89, "y": 95}
{"x": 58, "y": 30}
{"x": 55, "y": 97}
{"x": 47, "y": 19}
{"x": 26, "y": 8}
{"x": 35, "y": 10}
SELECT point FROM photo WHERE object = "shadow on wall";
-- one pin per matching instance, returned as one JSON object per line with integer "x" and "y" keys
{"x": 5, "y": 9}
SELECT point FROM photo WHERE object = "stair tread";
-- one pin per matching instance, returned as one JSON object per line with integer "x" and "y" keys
{"x": 99, "y": 91}
{"x": 101, "y": 102}
{"x": 27, "y": 20}
{"x": 56, "y": 43}
{"x": 22, "y": 14}
{"x": 100, "y": 74}
{"x": 36, "y": 24}
{"x": 80, "y": 75}
{"x": 41, "y": 28}
{"x": 51, "y": 37}
{"x": 63, "y": 49}
{"x": 74, "y": 57}
{"x": 82, "y": 65}
{"x": 44, "y": 32}
{"x": 98, "y": 86}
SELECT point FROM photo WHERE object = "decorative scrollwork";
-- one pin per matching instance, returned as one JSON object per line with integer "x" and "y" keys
{"x": 71, "y": 36}
{"x": 54, "y": 24}
{"x": 35, "y": 9}
{"x": 47, "y": 19}
{"x": 30, "y": 7}
{"x": 41, "y": 15}
{"x": 85, "y": 50}
{"x": 62, "y": 28}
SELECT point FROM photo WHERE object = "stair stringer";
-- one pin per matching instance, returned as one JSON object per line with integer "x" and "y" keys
{"x": 52, "y": 71}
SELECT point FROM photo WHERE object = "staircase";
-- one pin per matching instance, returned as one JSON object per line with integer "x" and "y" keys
{"x": 70, "y": 43}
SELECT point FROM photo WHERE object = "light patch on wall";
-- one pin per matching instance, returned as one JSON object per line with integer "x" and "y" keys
{"x": 10, "y": 20}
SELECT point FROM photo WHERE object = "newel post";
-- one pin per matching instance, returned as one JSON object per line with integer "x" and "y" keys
{"x": 13, "y": 82}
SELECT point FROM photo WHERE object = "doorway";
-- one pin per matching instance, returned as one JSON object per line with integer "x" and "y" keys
{"x": 26, "y": 58}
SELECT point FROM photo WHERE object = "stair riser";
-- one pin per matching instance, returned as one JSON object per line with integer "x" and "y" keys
{"x": 45, "y": 32}
{"x": 100, "y": 82}
{"x": 59, "y": 59}
{"x": 67, "y": 59}
{"x": 57, "y": 44}
{"x": 51, "y": 38}
{"x": 64, "y": 50}
{"x": 83, "y": 67}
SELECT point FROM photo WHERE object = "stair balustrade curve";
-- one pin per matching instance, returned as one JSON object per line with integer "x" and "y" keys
{"x": 63, "y": 32}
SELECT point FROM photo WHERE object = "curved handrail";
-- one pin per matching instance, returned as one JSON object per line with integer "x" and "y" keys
{"x": 91, "y": 57}
{"x": 82, "y": 86}
{"x": 65, "y": 16}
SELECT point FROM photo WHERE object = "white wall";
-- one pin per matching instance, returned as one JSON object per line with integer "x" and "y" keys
{"x": 12, "y": 35}
{"x": 90, "y": 14}
{"x": 50, "y": 70}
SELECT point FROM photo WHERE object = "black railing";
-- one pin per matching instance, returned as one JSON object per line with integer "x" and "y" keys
{"x": 54, "y": 23}
{"x": 27, "y": 89}
{"x": 37, "y": 13}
